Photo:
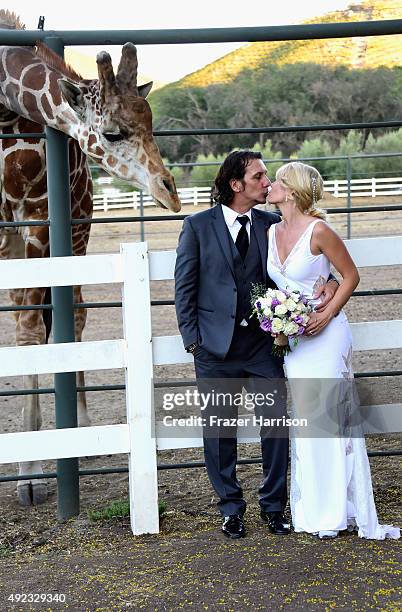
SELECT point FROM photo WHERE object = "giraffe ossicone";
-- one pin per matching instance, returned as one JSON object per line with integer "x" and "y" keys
{"x": 109, "y": 121}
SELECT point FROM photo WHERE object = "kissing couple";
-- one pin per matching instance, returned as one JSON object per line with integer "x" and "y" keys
{"x": 223, "y": 252}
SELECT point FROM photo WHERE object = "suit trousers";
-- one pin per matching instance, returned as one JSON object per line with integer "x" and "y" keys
{"x": 249, "y": 365}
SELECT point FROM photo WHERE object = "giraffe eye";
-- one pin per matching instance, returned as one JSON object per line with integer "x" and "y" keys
{"x": 115, "y": 137}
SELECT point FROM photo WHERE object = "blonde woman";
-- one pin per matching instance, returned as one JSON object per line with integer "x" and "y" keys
{"x": 330, "y": 483}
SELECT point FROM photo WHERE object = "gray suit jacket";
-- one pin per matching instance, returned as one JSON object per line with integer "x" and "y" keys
{"x": 205, "y": 288}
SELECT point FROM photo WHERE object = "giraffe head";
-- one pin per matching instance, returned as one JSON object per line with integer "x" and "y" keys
{"x": 115, "y": 126}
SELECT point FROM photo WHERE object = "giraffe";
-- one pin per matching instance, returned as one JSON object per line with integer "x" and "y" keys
{"x": 108, "y": 120}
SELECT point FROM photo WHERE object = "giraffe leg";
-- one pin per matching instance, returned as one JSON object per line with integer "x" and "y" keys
{"x": 80, "y": 317}
{"x": 30, "y": 329}
{"x": 31, "y": 492}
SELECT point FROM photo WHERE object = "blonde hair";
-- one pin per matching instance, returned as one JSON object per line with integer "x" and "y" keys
{"x": 306, "y": 185}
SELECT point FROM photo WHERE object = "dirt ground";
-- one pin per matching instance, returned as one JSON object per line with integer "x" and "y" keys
{"x": 101, "y": 566}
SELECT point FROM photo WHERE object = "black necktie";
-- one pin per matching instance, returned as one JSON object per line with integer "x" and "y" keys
{"x": 242, "y": 241}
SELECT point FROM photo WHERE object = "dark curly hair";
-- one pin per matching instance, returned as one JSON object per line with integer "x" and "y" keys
{"x": 234, "y": 167}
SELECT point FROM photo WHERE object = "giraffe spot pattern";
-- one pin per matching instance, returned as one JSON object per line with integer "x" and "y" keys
{"x": 9, "y": 142}
{"x": 31, "y": 105}
{"x": 91, "y": 141}
{"x": 12, "y": 92}
{"x": 46, "y": 106}
{"x": 16, "y": 59}
{"x": 35, "y": 78}
{"x": 54, "y": 88}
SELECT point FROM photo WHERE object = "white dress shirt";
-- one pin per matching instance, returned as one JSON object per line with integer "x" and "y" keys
{"x": 233, "y": 225}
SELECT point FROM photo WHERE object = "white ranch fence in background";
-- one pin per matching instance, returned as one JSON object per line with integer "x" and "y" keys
{"x": 134, "y": 267}
{"x": 132, "y": 199}
{"x": 372, "y": 187}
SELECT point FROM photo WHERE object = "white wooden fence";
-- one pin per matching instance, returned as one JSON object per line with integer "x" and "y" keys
{"x": 131, "y": 199}
{"x": 372, "y": 187}
{"x": 137, "y": 353}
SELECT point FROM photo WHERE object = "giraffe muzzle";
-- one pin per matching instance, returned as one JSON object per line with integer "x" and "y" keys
{"x": 164, "y": 193}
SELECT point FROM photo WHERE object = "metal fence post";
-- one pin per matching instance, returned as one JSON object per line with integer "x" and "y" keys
{"x": 349, "y": 200}
{"x": 58, "y": 181}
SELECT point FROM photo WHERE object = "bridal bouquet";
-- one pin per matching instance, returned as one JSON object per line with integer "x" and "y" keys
{"x": 283, "y": 314}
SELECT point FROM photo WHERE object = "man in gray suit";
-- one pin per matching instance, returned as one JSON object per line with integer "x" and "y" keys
{"x": 221, "y": 253}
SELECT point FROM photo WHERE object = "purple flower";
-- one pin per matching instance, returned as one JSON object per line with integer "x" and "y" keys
{"x": 266, "y": 325}
{"x": 258, "y": 304}
{"x": 298, "y": 320}
{"x": 274, "y": 303}
{"x": 301, "y": 331}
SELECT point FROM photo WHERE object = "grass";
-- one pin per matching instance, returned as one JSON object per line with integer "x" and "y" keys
{"x": 5, "y": 551}
{"x": 117, "y": 509}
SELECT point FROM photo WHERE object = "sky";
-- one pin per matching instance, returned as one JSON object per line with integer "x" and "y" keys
{"x": 169, "y": 62}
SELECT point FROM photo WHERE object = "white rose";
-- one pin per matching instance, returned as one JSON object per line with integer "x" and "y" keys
{"x": 290, "y": 328}
{"x": 300, "y": 308}
{"x": 280, "y": 296}
{"x": 277, "y": 325}
{"x": 290, "y": 305}
{"x": 266, "y": 302}
{"x": 280, "y": 310}
{"x": 294, "y": 296}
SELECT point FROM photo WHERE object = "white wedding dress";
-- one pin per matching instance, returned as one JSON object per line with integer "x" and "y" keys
{"x": 331, "y": 486}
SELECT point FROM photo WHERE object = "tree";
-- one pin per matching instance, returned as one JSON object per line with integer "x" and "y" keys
{"x": 204, "y": 176}
{"x": 293, "y": 94}
{"x": 318, "y": 147}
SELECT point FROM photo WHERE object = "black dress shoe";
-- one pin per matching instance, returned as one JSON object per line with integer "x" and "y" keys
{"x": 233, "y": 527}
{"x": 277, "y": 523}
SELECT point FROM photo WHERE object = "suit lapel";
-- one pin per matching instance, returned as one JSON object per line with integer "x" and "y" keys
{"x": 260, "y": 226}
{"x": 222, "y": 235}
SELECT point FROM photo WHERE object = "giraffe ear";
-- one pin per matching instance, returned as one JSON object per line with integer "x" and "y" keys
{"x": 143, "y": 90}
{"x": 73, "y": 96}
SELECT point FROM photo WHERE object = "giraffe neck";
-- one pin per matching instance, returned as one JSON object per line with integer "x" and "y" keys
{"x": 30, "y": 89}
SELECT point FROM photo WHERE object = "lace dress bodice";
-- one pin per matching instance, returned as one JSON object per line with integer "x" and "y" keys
{"x": 301, "y": 269}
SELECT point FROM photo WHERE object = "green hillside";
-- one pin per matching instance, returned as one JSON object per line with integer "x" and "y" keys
{"x": 369, "y": 52}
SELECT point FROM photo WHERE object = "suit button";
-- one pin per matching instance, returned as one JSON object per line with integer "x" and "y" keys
{"x": 235, "y": 290}
{"x": 232, "y": 316}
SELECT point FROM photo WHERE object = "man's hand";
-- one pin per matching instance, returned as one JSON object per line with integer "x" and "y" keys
{"x": 326, "y": 293}
{"x": 191, "y": 348}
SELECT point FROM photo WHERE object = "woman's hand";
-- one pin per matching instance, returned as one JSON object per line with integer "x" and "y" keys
{"x": 319, "y": 320}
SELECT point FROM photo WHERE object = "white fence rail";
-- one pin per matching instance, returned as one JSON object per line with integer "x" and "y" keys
{"x": 132, "y": 199}
{"x": 137, "y": 353}
{"x": 371, "y": 187}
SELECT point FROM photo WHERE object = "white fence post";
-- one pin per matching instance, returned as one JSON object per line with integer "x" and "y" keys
{"x": 143, "y": 482}
{"x": 336, "y": 189}
{"x": 373, "y": 187}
